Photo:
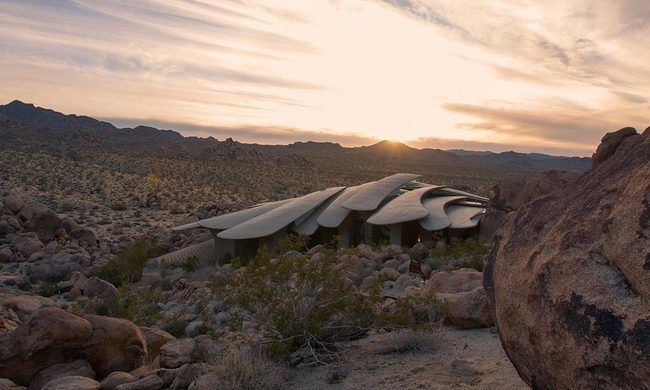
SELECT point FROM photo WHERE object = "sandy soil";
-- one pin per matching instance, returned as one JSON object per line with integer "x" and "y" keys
{"x": 447, "y": 359}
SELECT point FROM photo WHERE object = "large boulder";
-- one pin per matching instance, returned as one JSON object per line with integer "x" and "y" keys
{"x": 467, "y": 310}
{"x": 516, "y": 190}
{"x": 177, "y": 352}
{"x": 117, "y": 378}
{"x": 27, "y": 244}
{"x": 58, "y": 266}
{"x": 609, "y": 143}
{"x": 50, "y": 336}
{"x": 461, "y": 296}
{"x": 155, "y": 338}
{"x": 6, "y": 384}
{"x": 90, "y": 287}
{"x": 16, "y": 308}
{"x": 72, "y": 382}
{"x": 569, "y": 278}
{"x": 13, "y": 203}
{"x": 115, "y": 345}
{"x": 74, "y": 368}
{"x": 84, "y": 235}
{"x": 41, "y": 220}
{"x": 453, "y": 282}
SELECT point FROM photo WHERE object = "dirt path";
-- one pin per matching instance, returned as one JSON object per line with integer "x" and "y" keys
{"x": 446, "y": 359}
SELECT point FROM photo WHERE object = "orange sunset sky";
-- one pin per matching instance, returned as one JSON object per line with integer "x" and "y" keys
{"x": 543, "y": 76}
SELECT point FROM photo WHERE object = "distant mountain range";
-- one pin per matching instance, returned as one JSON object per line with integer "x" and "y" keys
{"x": 27, "y": 126}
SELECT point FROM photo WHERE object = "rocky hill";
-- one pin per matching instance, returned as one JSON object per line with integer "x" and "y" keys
{"x": 83, "y": 131}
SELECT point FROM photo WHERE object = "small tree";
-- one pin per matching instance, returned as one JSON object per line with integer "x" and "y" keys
{"x": 127, "y": 267}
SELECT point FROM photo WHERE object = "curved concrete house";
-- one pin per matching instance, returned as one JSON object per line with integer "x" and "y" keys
{"x": 396, "y": 208}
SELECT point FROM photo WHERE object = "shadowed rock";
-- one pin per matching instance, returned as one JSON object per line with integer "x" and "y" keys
{"x": 609, "y": 143}
{"x": 569, "y": 276}
{"x": 115, "y": 345}
{"x": 50, "y": 336}
{"x": 517, "y": 190}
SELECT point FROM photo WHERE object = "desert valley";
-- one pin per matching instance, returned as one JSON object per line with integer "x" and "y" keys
{"x": 85, "y": 226}
{"x": 349, "y": 194}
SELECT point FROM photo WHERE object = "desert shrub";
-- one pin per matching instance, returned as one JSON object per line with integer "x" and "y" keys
{"x": 476, "y": 262}
{"x": 176, "y": 209}
{"x": 468, "y": 247}
{"x": 247, "y": 369}
{"x": 298, "y": 304}
{"x": 163, "y": 285}
{"x": 127, "y": 267}
{"x": 201, "y": 353}
{"x": 47, "y": 289}
{"x": 175, "y": 327}
{"x": 118, "y": 206}
{"x": 192, "y": 263}
{"x": 459, "y": 253}
{"x": 136, "y": 305}
{"x": 410, "y": 312}
{"x": 292, "y": 242}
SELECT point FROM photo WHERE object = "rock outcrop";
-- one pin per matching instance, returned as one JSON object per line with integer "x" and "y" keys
{"x": 517, "y": 190}
{"x": 569, "y": 276}
{"x": 609, "y": 143}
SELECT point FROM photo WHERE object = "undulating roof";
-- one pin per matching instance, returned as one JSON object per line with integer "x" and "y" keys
{"x": 226, "y": 221}
{"x": 392, "y": 200}
{"x": 280, "y": 217}
{"x": 404, "y": 208}
{"x": 370, "y": 196}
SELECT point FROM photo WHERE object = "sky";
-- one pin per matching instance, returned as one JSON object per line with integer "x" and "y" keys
{"x": 531, "y": 76}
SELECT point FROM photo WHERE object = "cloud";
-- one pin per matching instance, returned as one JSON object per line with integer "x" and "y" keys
{"x": 558, "y": 125}
{"x": 631, "y": 97}
{"x": 581, "y": 40}
{"x": 144, "y": 39}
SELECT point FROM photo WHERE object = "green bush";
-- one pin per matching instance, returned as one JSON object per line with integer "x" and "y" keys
{"x": 191, "y": 264}
{"x": 298, "y": 304}
{"x": 292, "y": 242}
{"x": 410, "y": 312}
{"x": 468, "y": 247}
{"x": 459, "y": 253}
{"x": 176, "y": 327}
{"x": 47, "y": 289}
{"x": 137, "y": 305}
{"x": 127, "y": 268}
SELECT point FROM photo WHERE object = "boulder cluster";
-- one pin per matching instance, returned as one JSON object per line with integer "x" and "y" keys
{"x": 37, "y": 242}
{"x": 50, "y": 348}
{"x": 44, "y": 344}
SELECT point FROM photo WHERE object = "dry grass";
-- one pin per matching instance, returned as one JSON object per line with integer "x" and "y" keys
{"x": 247, "y": 369}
